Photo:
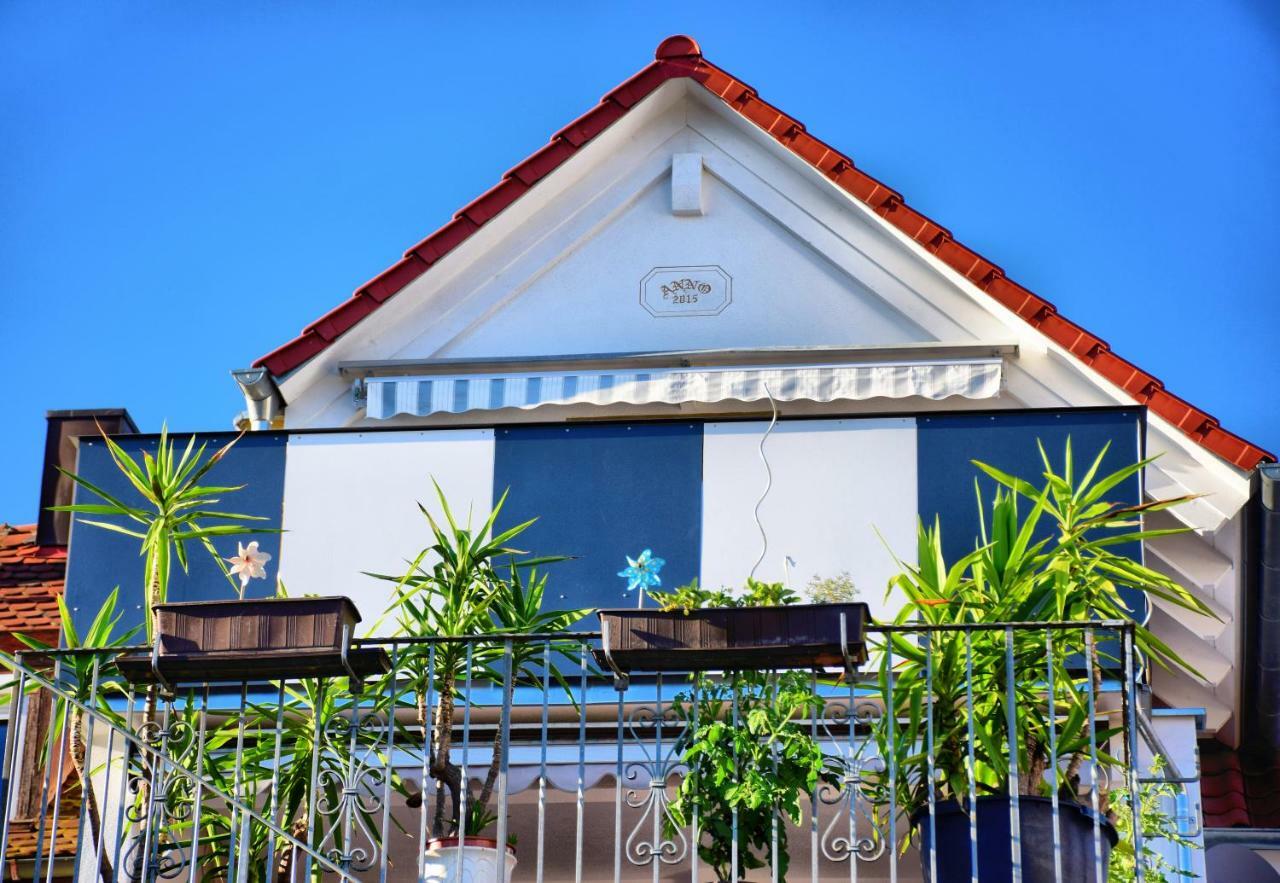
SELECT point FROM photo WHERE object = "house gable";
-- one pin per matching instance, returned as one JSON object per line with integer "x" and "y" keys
{"x": 680, "y": 58}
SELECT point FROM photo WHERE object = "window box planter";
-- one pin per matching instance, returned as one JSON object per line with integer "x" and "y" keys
{"x": 726, "y": 638}
{"x": 254, "y": 639}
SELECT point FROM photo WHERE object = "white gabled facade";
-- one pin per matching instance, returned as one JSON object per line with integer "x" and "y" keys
{"x": 682, "y": 181}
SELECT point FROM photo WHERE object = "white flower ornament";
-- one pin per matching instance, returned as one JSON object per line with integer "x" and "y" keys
{"x": 249, "y": 563}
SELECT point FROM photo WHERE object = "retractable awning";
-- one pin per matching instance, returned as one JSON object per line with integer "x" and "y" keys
{"x": 640, "y": 379}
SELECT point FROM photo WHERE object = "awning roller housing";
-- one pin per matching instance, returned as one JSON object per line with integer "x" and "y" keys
{"x": 420, "y": 395}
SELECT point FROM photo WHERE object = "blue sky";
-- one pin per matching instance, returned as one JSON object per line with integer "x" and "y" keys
{"x": 183, "y": 187}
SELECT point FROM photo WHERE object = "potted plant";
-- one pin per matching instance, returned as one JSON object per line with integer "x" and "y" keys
{"x": 468, "y": 584}
{"x": 747, "y": 749}
{"x": 1072, "y": 574}
{"x": 699, "y": 631}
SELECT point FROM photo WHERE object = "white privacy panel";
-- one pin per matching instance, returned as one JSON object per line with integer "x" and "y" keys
{"x": 351, "y": 505}
{"x": 835, "y": 484}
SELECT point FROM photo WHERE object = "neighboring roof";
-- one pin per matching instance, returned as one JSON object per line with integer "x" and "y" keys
{"x": 25, "y": 836}
{"x": 680, "y": 56}
{"x": 31, "y": 578}
{"x": 1236, "y": 792}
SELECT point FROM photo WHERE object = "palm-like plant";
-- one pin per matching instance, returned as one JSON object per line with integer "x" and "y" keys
{"x": 175, "y": 510}
{"x": 454, "y": 588}
{"x": 89, "y": 679}
{"x": 1075, "y": 575}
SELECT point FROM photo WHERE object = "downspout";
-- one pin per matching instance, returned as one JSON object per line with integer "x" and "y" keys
{"x": 264, "y": 405}
{"x": 1261, "y": 738}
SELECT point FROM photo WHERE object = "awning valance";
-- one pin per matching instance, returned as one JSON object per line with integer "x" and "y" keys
{"x": 387, "y": 396}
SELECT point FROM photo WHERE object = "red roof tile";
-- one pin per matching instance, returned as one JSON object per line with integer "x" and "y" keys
{"x": 25, "y": 836}
{"x": 1237, "y": 792}
{"x": 680, "y": 56}
{"x": 31, "y": 578}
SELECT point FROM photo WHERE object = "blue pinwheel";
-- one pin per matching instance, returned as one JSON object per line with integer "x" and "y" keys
{"x": 642, "y": 572}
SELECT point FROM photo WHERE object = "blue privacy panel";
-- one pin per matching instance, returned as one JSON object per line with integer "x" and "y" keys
{"x": 99, "y": 559}
{"x": 601, "y": 492}
{"x": 947, "y": 443}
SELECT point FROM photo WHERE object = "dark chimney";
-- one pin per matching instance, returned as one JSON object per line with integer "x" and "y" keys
{"x": 60, "y": 449}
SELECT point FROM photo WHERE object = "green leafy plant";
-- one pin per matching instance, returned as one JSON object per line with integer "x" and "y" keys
{"x": 174, "y": 513}
{"x": 759, "y": 762}
{"x": 1158, "y": 823}
{"x": 470, "y": 584}
{"x": 745, "y": 746}
{"x": 691, "y": 596}
{"x": 89, "y": 679}
{"x": 1016, "y": 574}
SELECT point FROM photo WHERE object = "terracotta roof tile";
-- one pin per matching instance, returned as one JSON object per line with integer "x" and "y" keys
{"x": 1237, "y": 791}
{"x": 25, "y": 835}
{"x": 31, "y": 578}
{"x": 680, "y": 56}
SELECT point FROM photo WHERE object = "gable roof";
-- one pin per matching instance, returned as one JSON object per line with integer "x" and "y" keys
{"x": 31, "y": 578}
{"x": 680, "y": 56}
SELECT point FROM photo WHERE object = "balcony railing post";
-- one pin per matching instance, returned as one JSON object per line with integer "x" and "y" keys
{"x": 930, "y": 771}
{"x": 428, "y": 797}
{"x": 582, "y": 763}
{"x": 388, "y": 764}
{"x": 100, "y": 834}
{"x": 1011, "y": 717}
{"x": 814, "y": 847}
{"x": 13, "y": 733}
{"x": 542, "y": 761}
{"x": 464, "y": 780}
{"x": 86, "y": 765}
{"x": 126, "y": 778}
{"x": 1130, "y": 699}
{"x": 277, "y": 751}
{"x": 47, "y": 773}
{"x": 504, "y": 739}
{"x": 1052, "y": 717}
{"x": 236, "y": 784}
{"x": 199, "y": 795}
{"x": 317, "y": 740}
{"x": 971, "y": 765}
{"x": 891, "y": 824}
{"x": 656, "y": 857}
{"x": 1090, "y": 650}
{"x": 620, "y": 687}
{"x": 852, "y": 778}
{"x": 693, "y": 815}
{"x": 733, "y": 854}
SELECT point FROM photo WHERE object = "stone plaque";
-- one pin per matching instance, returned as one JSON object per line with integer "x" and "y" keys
{"x": 686, "y": 291}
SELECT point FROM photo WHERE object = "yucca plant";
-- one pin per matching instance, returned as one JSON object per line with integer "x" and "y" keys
{"x": 89, "y": 679}
{"x": 454, "y": 587}
{"x": 1016, "y": 574}
{"x": 174, "y": 513}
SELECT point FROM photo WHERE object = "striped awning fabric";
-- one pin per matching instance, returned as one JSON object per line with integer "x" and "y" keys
{"x": 386, "y": 397}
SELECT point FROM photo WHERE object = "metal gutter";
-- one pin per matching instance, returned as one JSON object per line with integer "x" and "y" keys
{"x": 1262, "y": 614}
{"x": 1249, "y": 838}
{"x": 681, "y": 359}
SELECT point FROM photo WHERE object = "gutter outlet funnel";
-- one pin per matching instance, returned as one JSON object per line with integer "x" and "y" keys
{"x": 263, "y": 401}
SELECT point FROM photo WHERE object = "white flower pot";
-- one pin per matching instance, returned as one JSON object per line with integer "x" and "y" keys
{"x": 479, "y": 858}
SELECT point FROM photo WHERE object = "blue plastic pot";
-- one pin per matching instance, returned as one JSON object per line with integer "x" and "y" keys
{"x": 995, "y": 850}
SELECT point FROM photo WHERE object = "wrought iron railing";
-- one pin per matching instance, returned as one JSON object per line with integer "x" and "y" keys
{"x": 325, "y": 779}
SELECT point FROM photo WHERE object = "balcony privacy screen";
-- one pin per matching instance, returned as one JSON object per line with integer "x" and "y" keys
{"x": 386, "y": 397}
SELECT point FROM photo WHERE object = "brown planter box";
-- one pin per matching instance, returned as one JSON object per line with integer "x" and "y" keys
{"x": 253, "y": 639}
{"x": 728, "y": 638}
